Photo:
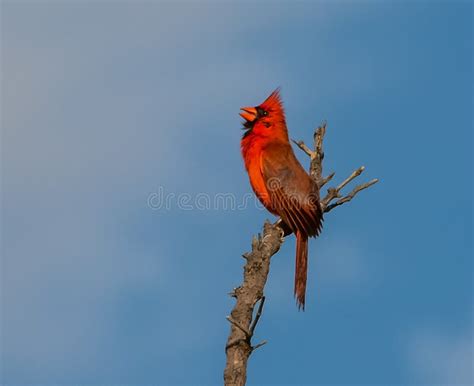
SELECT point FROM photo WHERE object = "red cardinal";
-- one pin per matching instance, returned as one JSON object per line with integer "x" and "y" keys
{"x": 279, "y": 180}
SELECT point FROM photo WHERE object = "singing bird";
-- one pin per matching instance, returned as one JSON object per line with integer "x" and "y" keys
{"x": 279, "y": 180}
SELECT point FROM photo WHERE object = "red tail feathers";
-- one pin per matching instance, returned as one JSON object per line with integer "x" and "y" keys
{"x": 301, "y": 268}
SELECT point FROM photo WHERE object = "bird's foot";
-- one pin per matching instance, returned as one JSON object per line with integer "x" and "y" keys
{"x": 279, "y": 223}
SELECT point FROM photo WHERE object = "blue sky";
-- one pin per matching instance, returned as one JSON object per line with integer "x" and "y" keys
{"x": 106, "y": 103}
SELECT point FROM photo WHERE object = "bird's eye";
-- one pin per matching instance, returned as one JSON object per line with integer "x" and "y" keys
{"x": 261, "y": 112}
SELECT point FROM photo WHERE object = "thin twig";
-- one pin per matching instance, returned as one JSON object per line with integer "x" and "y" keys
{"x": 325, "y": 180}
{"x": 354, "y": 174}
{"x": 351, "y": 195}
{"x": 257, "y": 316}
{"x": 303, "y": 147}
{"x": 259, "y": 345}
{"x": 334, "y": 193}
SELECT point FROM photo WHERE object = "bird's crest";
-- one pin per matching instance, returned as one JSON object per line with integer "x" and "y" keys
{"x": 274, "y": 103}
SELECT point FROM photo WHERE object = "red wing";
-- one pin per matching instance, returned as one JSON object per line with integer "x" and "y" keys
{"x": 293, "y": 194}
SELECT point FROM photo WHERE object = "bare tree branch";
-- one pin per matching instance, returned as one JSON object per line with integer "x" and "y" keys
{"x": 257, "y": 267}
{"x": 303, "y": 147}
{"x": 316, "y": 170}
{"x": 325, "y": 180}
{"x": 239, "y": 346}
{"x": 316, "y": 162}
{"x": 351, "y": 195}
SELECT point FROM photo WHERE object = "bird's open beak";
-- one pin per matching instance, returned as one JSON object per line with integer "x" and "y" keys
{"x": 249, "y": 113}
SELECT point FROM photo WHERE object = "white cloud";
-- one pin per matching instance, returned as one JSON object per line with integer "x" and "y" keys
{"x": 442, "y": 358}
